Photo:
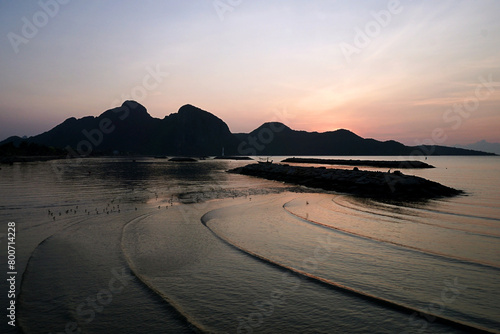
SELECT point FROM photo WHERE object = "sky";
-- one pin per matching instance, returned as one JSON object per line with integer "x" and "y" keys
{"x": 411, "y": 71}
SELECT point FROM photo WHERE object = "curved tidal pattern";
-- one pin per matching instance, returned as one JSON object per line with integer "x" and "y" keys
{"x": 77, "y": 280}
{"x": 114, "y": 254}
{"x": 279, "y": 263}
{"x": 395, "y": 263}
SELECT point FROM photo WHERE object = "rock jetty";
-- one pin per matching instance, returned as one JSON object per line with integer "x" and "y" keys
{"x": 182, "y": 159}
{"x": 376, "y": 185}
{"x": 367, "y": 163}
{"x": 232, "y": 157}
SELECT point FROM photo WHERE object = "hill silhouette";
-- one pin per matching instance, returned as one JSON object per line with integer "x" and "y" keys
{"x": 192, "y": 131}
{"x": 484, "y": 146}
{"x": 278, "y": 139}
{"x": 131, "y": 129}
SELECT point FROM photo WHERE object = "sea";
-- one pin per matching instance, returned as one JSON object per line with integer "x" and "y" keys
{"x": 144, "y": 245}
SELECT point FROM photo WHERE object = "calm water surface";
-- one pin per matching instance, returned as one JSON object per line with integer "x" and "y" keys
{"x": 151, "y": 246}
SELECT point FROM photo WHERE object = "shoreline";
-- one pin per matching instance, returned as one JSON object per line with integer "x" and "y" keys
{"x": 35, "y": 158}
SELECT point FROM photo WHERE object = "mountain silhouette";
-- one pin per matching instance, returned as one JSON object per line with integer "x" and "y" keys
{"x": 131, "y": 129}
{"x": 484, "y": 146}
{"x": 195, "y": 132}
{"x": 277, "y": 139}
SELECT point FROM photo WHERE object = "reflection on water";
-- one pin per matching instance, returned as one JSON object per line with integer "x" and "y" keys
{"x": 77, "y": 221}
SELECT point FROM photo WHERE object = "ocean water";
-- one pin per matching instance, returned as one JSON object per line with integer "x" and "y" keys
{"x": 150, "y": 246}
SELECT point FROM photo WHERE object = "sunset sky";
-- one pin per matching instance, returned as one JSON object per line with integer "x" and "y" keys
{"x": 402, "y": 70}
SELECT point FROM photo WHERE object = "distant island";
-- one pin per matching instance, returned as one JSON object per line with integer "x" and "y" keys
{"x": 192, "y": 132}
{"x": 367, "y": 163}
{"x": 376, "y": 185}
{"x": 484, "y": 146}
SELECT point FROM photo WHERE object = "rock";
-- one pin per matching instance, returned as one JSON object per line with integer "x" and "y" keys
{"x": 368, "y": 163}
{"x": 182, "y": 159}
{"x": 377, "y": 185}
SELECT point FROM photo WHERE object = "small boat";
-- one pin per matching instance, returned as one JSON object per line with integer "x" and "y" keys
{"x": 265, "y": 162}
